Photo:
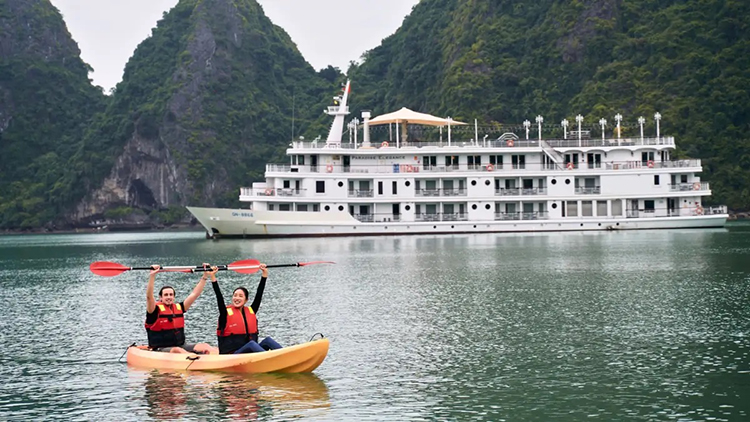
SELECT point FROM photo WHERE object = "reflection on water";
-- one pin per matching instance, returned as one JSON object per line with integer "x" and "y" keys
{"x": 175, "y": 395}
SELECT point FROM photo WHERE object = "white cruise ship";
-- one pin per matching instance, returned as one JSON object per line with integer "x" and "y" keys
{"x": 508, "y": 184}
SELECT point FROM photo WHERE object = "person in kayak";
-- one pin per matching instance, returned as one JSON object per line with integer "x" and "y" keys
{"x": 165, "y": 319}
{"x": 238, "y": 325}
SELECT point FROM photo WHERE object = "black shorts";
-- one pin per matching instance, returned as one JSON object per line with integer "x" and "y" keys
{"x": 189, "y": 347}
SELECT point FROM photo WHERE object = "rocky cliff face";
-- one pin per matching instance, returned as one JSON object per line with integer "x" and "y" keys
{"x": 218, "y": 111}
{"x": 46, "y": 101}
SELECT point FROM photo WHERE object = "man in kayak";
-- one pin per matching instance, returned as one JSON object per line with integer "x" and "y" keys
{"x": 165, "y": 319}
{"x": 238, "y": 325}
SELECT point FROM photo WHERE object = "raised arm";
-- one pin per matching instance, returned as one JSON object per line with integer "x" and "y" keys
{"x": 150, "y": 302}
{"x": 220, "y": 302}
{"x": 261, "y": 286}
{"x": 198, "y": 289}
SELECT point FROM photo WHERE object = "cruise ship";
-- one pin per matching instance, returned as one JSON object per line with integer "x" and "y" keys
{"x": 511, "y": 183}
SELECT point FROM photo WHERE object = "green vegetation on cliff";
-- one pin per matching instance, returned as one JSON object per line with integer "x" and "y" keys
{"x": 508, "y": 61}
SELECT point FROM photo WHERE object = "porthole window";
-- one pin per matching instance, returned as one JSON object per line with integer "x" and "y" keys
{"x": 554, "y": 181}
{"x": 554, "y": 206}
{"x": 341, "y": 208}
{"x": 434, "y": 227}
{"x": 487, "y": 182}
{"x": 341, "y": 184}
{"x": 407, "y": 208}
{"x": 408, "y": 183}
{"x": 474, "y": 206}
{"x": 473, "y": 183}
{"x": 567, "y": 181}
{"x": 487, "y": 206}
{"x": 327, "y": 208}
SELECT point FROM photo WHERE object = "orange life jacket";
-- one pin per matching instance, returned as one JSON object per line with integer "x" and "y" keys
{"x": 242, "y": 326}
{"x": 169, "y": 328}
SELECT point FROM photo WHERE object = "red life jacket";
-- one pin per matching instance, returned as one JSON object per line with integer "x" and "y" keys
{"x": 169, "y": 328}
{"x": 242, "y": 326}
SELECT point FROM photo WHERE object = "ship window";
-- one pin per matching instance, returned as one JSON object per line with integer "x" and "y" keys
{"x": 616, "y": 208}
{"x": 487, "y": 182}
{"x": 473, "y": 183}
{"x": 554, "y": 181}
{"x": 554, "y": 205}
{"x": 327, "y": 208}
{"x": 656, "y": 179}
{"x": 294, "y": 160}
{"x": 683, "y": 178}
{"x": 395, "y": 188}
{"x": 302, "y": 207}
{"x": 301, "y": 160}
{"x": 497, "y": 161}
{"x": 341, "y": 184}
{"x": 648, "y": 205}
{"x": 407, "y": 208}
{"x": 380, "y": 188}
{"x": 572, "y": 208}
{"x": 285, "y": 207}
{"x": 474, "y": 206}
{"x": 587, "y": 209}
{"x": 316, "y": 207}
{"x": 487, "y": 206}
{"x": 567, "y": 181}
{"x": 270, "y": 207}
{"x": 320, "y": 186}
{"x": 408, "y": 183}
{"x": 287, "y": 184}
{"x": 341, "y": 208}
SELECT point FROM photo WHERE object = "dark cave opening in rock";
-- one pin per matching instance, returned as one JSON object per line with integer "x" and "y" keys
{"x": 140, "y": 195}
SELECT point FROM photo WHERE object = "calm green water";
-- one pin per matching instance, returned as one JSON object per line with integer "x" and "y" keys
{"x": 649, "y": 325}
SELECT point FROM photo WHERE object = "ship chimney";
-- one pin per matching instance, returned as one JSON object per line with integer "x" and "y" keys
{"x": 366, "y": 130}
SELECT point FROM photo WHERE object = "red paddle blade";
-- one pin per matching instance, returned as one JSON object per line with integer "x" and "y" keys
{"x": 302, "y": 264}
{"x": 107, "y": 269}
{"x": 242, "y": 266}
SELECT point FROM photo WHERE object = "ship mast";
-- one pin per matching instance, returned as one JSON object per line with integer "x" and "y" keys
{"x": 339, "y": 112}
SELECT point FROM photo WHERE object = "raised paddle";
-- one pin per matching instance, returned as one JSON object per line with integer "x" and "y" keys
{"x": 246, "y": 266}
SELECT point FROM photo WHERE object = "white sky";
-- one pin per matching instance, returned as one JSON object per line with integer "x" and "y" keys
{"x": 108, "y": 31}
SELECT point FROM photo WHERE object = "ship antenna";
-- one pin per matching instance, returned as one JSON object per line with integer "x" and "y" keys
{"x": 293, "y": 98}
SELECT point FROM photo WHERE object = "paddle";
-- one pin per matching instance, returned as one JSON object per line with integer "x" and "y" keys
{"x": 246, "y": 266}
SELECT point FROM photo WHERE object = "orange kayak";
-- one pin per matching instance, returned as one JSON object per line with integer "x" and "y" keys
{"x": 303, "y": 357}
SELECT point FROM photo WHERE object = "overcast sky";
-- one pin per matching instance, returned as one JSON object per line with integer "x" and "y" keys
{"x": 108, "y": 31}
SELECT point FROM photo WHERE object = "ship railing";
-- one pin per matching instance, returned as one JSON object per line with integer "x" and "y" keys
{"x": 520, "y": 191}
{"x": 594, "y": 190}
{"x": 377, "y": 218}
{"x": 537, "y": 215}
{"x": 519, "y": 143}
{"x": 684, "y": 187}
{"x": 720, "y": 209}
{"x": 361, "y": 193}
{"x": 272, "y": 192}
{"x": 427, "y": 192}
{"x": 494, "y": 168}
{"x": 454, "y": 192}
{"x": 446, "y": 216}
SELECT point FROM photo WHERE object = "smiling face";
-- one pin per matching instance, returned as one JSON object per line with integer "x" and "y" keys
{"x": 239, "y": 298}
{"x": 166, "y": 295}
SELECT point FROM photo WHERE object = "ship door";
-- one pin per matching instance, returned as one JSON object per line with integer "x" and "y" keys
{"x": 671, "y": 206}
{"x": 314, "y": 163}
{"x": 347, "y": 162}
{"x": 396, "y": 212}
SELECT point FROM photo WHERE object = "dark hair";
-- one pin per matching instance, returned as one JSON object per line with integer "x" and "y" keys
{"x": 167, "y": 287}
{"x": 244, "y": 290}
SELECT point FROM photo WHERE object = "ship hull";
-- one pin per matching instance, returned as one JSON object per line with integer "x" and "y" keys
{"x": 224, "y": 222}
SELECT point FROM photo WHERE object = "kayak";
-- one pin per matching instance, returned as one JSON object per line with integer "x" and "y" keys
{"x": 303, "y": 357}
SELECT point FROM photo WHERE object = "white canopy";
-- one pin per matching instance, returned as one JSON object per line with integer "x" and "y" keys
{"x": 412, "y": 117}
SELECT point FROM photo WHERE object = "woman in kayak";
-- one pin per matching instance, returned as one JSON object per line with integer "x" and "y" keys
{"x": 238, "y": 325}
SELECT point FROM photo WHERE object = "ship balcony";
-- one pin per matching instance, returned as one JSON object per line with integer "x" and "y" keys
{"x": 440, "y": 192}
{"x": 685, "y": 187}
{"x": 377, "y": 218}
{"x": 593, "y": 190}
{"x": 361, "y": 193}
{"x": 539, "y": 215}
{"x": 446, "y": 216}
{"x": 520, "y": 191}
{"x": 248, "y": 193}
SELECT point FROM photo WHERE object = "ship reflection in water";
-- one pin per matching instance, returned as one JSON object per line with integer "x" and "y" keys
{"x": 176, "y": 395}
